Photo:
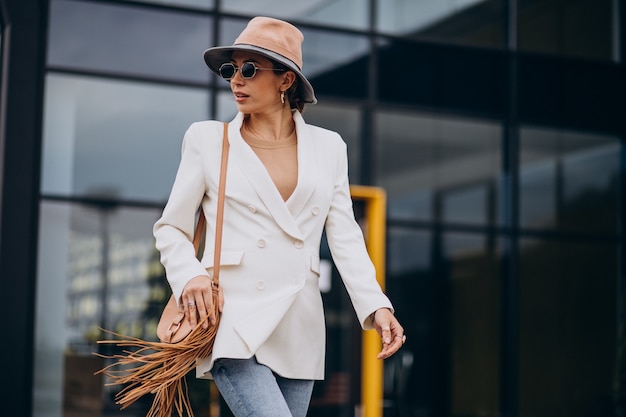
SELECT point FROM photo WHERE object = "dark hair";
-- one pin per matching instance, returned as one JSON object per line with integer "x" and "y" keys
{"x": 293, "y": 94}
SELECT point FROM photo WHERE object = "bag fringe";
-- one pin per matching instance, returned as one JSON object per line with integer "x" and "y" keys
{"x": 158, "y": 368}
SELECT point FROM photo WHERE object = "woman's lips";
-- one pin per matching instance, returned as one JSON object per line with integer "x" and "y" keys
{"x": 240, "y": 97}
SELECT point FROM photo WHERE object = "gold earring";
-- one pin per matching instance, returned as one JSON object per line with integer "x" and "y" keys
{"x": 282, "y": 97}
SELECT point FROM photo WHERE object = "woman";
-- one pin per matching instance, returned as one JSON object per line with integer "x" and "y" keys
{"x": 287, "y": 181}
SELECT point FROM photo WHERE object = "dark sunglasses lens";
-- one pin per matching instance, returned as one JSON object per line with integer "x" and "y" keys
{"x": 227, "y": 71}
{"x": 248, "y": 70}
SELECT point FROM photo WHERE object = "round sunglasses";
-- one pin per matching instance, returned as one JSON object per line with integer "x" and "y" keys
{"x": 248, "y": 70}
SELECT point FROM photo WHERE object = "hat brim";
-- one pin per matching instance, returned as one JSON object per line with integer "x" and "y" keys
{"x": 215, "y": 57}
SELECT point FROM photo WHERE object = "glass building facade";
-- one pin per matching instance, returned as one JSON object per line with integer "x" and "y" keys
{"x": 495, "y": 127}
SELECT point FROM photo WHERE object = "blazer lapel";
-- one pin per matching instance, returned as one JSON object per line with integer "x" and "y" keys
{"x": 306, "y": 168}
{"x": 246, "y": 160}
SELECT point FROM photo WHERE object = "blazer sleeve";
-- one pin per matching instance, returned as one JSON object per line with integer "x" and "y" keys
{"x": 174, "y": 230}
{"x": 347, "y": 246}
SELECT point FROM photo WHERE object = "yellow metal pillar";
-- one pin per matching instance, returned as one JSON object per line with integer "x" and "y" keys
{"x": 374, "y": 231}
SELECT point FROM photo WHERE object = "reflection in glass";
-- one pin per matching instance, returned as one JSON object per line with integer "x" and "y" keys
{"x": 226, "y": 106}
{"x": 569, "y": 180}
{"x": 97, "y": 267}
{"x": 446, "y": 289}
{"x": 128, "y": 40}
{"x": 575, "y": 28}
{"x": 325, "y": 52}
{"x": 344, "y": 120}
{"x": 436, "y": 168}
{"x": 469, "y": 204}
{"x": 475, "y": 22}
{"x": 409, "y": 252}
{"x": 201, "y": 4}
{"x": 337, "y": 64}
{"x": 567, "y": 333}
{"x": 471, "y": 81}
{"x": 345, "y": 13}
{"x": 115, "y": 139}
{"x": 472, "y": 266}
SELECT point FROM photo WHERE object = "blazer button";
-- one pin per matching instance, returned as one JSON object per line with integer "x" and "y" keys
{"x": 252, "y": 208}
{"x": 298, "y": 244}
{"x": 260, "y": 285}
{"x": 261, "y": 243}
{"x": 315, "y": 211}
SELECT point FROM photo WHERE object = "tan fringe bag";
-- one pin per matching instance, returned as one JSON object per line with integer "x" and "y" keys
{"x": 160, "y": 368}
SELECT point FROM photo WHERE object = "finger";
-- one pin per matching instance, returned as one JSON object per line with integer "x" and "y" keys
{"x": 202, "y": 309}
{"x": 210, "y": 311}
{"x": 190, "y": 311}
{"x": 391, "y": 348}
{"x": 385, "y": 334}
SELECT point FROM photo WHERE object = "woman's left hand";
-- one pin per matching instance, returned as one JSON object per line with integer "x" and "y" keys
{"x": 390, "y": 331}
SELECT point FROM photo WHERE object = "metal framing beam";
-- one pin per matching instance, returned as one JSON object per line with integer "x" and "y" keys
{"x": 23, "y": 60}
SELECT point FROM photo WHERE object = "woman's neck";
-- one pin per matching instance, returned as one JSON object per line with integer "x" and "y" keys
{"x": 274, "y": 126}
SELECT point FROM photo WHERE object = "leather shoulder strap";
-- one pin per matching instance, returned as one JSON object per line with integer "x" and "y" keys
{"x": 220, "y": 208}
{"x": 219, "y": 220}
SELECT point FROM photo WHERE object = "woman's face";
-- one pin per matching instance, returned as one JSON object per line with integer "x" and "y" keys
{"x": 261, "y": 93}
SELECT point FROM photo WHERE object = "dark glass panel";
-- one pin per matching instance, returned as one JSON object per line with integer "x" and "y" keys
{"x": 569, "y": 181}
{"x": 471, "y": 263}
{"x": 345, "y": 120}
{"x": 567, "y": 350}
{"x": 581, "y": 28}
{"x": 571, "y": 93}
{"x": 413, "y": 288}
{"x": 128, "y": 40}
{"x": 200, "y": 4}
{"x": 336, "y": 63}
{"x": 446, "y": 289}
{"x": 115, "y": 139}
{"x": 97, "y": 267}
{"x": 443, "y": 77}
{"x": 439, "y": 168}
{"x": 469, "y": 22}
{"x": 226, "y": 106}
{"x": 352, "y": 14}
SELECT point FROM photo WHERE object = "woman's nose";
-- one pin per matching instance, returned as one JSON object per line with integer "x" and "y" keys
{"x": 237, "y": 77}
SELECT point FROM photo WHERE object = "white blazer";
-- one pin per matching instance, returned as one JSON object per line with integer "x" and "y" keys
{"x": 270, "y": 260}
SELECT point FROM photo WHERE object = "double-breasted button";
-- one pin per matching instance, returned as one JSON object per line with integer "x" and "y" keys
{"x": 298, "y": 244}
{"x": 260, "y": 285}
{"x": 315, "y": 211}
{"x": 252, "y": 208}
{"x": 260, "y": 243}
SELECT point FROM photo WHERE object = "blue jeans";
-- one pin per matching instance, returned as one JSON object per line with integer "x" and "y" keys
{"x": 253, "y": 390}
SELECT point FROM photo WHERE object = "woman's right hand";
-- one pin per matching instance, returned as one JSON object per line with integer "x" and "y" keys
{"x": 197, "y": 299}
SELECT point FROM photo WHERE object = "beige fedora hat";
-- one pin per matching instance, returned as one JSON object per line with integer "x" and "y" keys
{"x": 275, "y": 39}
